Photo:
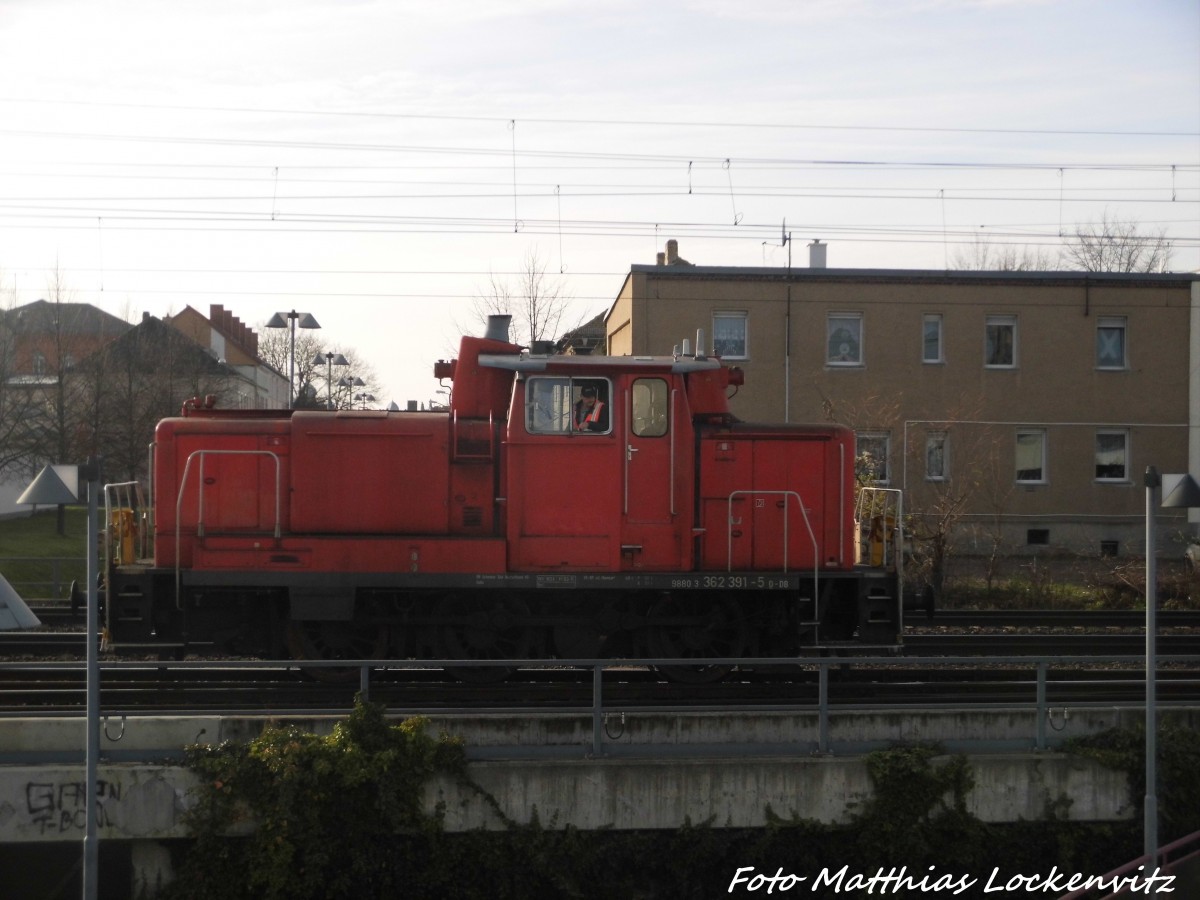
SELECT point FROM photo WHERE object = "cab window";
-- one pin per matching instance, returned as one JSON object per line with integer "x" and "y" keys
{"x": 574, "y": 406}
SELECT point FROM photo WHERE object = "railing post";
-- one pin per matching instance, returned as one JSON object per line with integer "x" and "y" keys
{"x": 597, "y": 711}
{"x": 823, "y": 708}
{"x": 1041, "y": 705}
{"x": 364, "y": 682}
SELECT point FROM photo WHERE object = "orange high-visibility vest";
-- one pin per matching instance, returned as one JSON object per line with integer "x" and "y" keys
{"x": 593, "y": 416}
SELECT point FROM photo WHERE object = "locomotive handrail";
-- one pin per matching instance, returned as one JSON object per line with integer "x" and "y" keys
{"x": 804, "y": 514}
{"x": 673, "y": 406}
{"x": 150, "y": 507}
{"x": 200, "y": 503}
{"x": 115, "y": 491}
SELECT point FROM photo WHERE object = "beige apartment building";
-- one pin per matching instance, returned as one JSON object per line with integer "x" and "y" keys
{"x": 1016, "y": 410}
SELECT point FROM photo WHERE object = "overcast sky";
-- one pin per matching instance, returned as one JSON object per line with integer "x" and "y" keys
{"x": 377, "y": 163}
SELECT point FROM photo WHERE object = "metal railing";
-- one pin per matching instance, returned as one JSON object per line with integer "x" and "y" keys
{"x": 1045, "y": 710}
{"x": 1181, "y": 856}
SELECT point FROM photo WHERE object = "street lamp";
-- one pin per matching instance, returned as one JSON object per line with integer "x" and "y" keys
{"x": 289, "y": 320}
{"x": 330, "y": 359}
{"x": 351, "y": 383}
{"x": 365, "y": 398}
{"x": 1179, "y": 492}
{"x": 50, "y": 490}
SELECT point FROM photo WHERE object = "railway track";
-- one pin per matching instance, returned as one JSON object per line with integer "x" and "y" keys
{"x": 41, "y": 672}
{"x": 1055, "y": 618}
{"x": 974, "y": 634}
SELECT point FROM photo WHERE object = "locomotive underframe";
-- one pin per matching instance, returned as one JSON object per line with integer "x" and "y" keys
{"x": 510, "y": 616}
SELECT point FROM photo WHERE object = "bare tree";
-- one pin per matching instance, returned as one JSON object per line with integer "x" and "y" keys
{"x": 141, "y": 378}
{"x": 15, "y": 397}
{"x": 537, "y": 303}
{"x": 346, "y": 380}
{"x": 312, "y": 389}
{"x": 1113, "y": 245}
{"x": 961, "y": 459}
{"x": 47, "y": 419}
{"x": 983, "y": 255}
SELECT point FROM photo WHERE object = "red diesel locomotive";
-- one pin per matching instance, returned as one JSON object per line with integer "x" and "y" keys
{"x": 525, "y": 521}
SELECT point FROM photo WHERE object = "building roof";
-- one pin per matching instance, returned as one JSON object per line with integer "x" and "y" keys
{"x": 42, "y": 316}
{"x": 911, "y": 276}
{"x": 152, "y": 331}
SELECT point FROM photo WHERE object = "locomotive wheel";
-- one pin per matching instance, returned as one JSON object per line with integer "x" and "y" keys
{"x": 478, "y": 628}
{"x": 310, "y": 639}
{"x": 695, "y": 626}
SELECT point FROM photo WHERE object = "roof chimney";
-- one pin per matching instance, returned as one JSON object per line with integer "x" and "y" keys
{"x": 672, "y": 252}
{"x": 816, "y": 254}
{"x": 661, "y": 259}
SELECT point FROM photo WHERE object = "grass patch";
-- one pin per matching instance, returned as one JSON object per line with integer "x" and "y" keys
{"x": 1069, "y": 583}
{"x": 39, "y": 562}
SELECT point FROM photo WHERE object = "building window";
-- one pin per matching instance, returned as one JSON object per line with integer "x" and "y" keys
{"x": 931, "y": 339}
{"x": 39, "y": 362}
{"x": 1110, "y": 343}
{"x": 1037, "y": 537}
{"x": 937, "y": 460}
{"x": 1112, "y": 456}
{"x": 1031, "y": 456}
{"x": 871, "y": 457}
{"x": 1000, "y": 342}
{"x": 844, "y": 344}
{"x": 729, "y": 335}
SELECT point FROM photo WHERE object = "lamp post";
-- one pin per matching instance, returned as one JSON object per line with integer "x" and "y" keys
{"x": 50, "y": 490}
{"x": 365, "y": 398}
{"x": 1179, "y": 492}
{"x": 351, "y": 383}
{"x": 330, "y": 359}
{"x": 290, "y": 320}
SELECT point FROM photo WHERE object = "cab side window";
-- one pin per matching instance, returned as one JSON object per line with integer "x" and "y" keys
{"x": 575, "y": 406}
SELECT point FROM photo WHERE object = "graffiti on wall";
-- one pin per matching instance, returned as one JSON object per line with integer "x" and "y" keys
{"x": 61, "y": 807}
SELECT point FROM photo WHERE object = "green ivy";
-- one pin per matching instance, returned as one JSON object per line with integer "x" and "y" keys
{"x": 1178, "y": 764}
{"x": 323, "y": 813}
{"x": 294, "y": 815}
{"x": 919, "y": 802}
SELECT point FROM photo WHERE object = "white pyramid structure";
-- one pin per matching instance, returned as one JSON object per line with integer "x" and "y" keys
{"x": 14, "y": 614}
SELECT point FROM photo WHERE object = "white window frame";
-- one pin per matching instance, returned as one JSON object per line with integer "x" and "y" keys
{"x": 732, "y": 316}
{"x": 1122, "y": 433}
{"x": 855, "y": 319}
{"x": 1115, "y": 324}
{"x": 1009, "y": 322}
{"x": 885, "y": 438}
{"x": 1042, "y": 443}
{"x": 939, "y": 356}
{"x": 937, "y": 442}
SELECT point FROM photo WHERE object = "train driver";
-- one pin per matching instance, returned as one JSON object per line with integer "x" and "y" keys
{"x": 590, "y": 413}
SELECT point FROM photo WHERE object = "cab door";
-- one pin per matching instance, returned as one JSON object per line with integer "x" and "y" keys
{"x": 653, "y": 501}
